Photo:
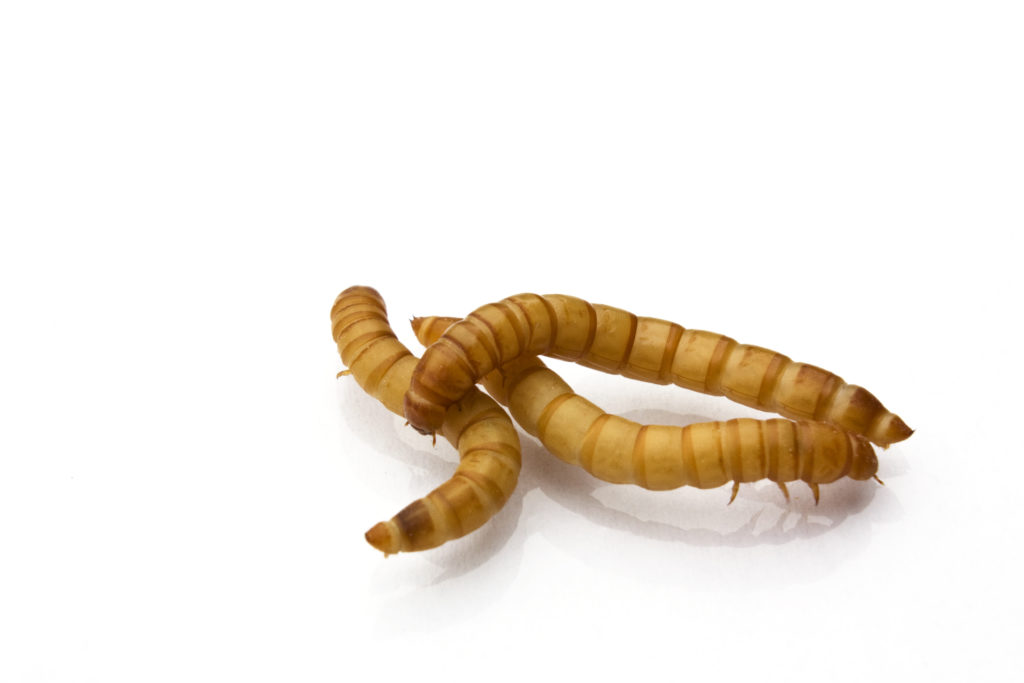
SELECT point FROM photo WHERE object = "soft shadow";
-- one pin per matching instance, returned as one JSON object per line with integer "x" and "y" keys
{"x": 704, "y": 516}
{"x": 718, "y": 523}
{"x": 383, "y": 432}
{"x": 760, "y": 516}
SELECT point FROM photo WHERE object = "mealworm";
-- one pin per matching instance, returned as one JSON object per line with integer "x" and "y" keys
{"x": 488, "y": 445}
{"x": 649, "y": 349}
{"x": 659, "y": 457}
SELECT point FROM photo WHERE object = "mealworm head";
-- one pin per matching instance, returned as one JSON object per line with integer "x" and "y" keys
{"x": 426, "y": 417}
{"x": 865, "y": 462}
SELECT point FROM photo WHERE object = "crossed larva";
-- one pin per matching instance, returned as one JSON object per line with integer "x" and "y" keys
{"x": 660, "y": 457}
{"x": 653, "y": 350}
{"x": 489, "y": 455}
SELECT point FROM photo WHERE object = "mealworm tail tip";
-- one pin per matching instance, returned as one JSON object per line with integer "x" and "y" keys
{"x": 382, "y": 538}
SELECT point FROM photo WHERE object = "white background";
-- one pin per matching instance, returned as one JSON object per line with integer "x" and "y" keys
{"x": 185, "y": 187}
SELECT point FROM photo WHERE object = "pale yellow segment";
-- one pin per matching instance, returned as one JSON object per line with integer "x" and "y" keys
{"x": 748, "y": 462}
{"x": 499, "y": 321}
{"x": 532, "y": 394}
{"x": 392, "y": 386}
{"x": 782, "y": 435}
{"x": 693, "y": 359}
{"x": 478, "y": 351}
{"x": 744, "y": 373}
{"x": 648, "y": 351}
{"x": 565, "y": 428}
{"x": 830, "y": 455}
{"x": 607, "y": 456}
{"x": 708, "y": 456}
{"x": 499, "y": 471}
{"x": 368, "y": 362}
{"x": 574, "y": 325}
{"x": 537, "y": 321}
{"x": 608, "y": 348}
{"x": 663, "y": 458}
{"x": 794, "y": 393}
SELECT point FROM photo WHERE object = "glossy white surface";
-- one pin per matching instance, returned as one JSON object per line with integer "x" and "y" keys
{"x": 184, "y": 484}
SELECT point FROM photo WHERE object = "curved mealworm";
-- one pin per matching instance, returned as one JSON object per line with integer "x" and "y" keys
{"x": 489, "y": 455}
{"x": 659, "y": 457}
{"x": 649, "y": 349}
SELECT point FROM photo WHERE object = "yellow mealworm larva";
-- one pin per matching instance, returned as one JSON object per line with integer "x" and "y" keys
{"x": 659, "y": 457}
{"x": 653, "y": 350}
{"x": 489, "y": 455}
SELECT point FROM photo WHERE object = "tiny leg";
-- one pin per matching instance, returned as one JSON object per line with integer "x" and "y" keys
{"x": 817, "y": 494}
{"x": 433, "y": 435}
{"x": 782, "y": 487}
{"x": 735, "y": 490}
{"x": 343, "y": 373}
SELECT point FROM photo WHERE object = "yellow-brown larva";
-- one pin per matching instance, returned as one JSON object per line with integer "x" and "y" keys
{"x": 660, "y": 457}
{"x": 649, "y": 349}
{"x": 489, "y": 454}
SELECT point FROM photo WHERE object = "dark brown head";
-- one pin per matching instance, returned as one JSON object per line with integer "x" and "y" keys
{"x": 865, "y": 462}
{"x": 423, "y": 416}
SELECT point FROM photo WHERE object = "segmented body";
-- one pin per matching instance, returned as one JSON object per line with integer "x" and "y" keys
{"x": 659, "y": 457}
{"x": 489, "y": 453}
{"x": 649, "y": 349}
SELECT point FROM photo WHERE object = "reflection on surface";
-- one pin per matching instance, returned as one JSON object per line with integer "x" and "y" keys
{"x": 761, "y": 541}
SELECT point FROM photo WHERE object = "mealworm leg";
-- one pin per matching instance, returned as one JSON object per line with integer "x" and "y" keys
{"x": 433, "y": 435}
{"x": 817, "y": 494}
{"x": 345, "y": 373}
{"x": 878, "y": 480}
{"x": 735, "y": 490}
{"x": 782, "y": 487}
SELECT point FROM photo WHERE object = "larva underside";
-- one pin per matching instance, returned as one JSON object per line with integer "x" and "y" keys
{"x": 488, "y": 445}
{"x": 660, "y": 457}
{"x": 649, "y": 349}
